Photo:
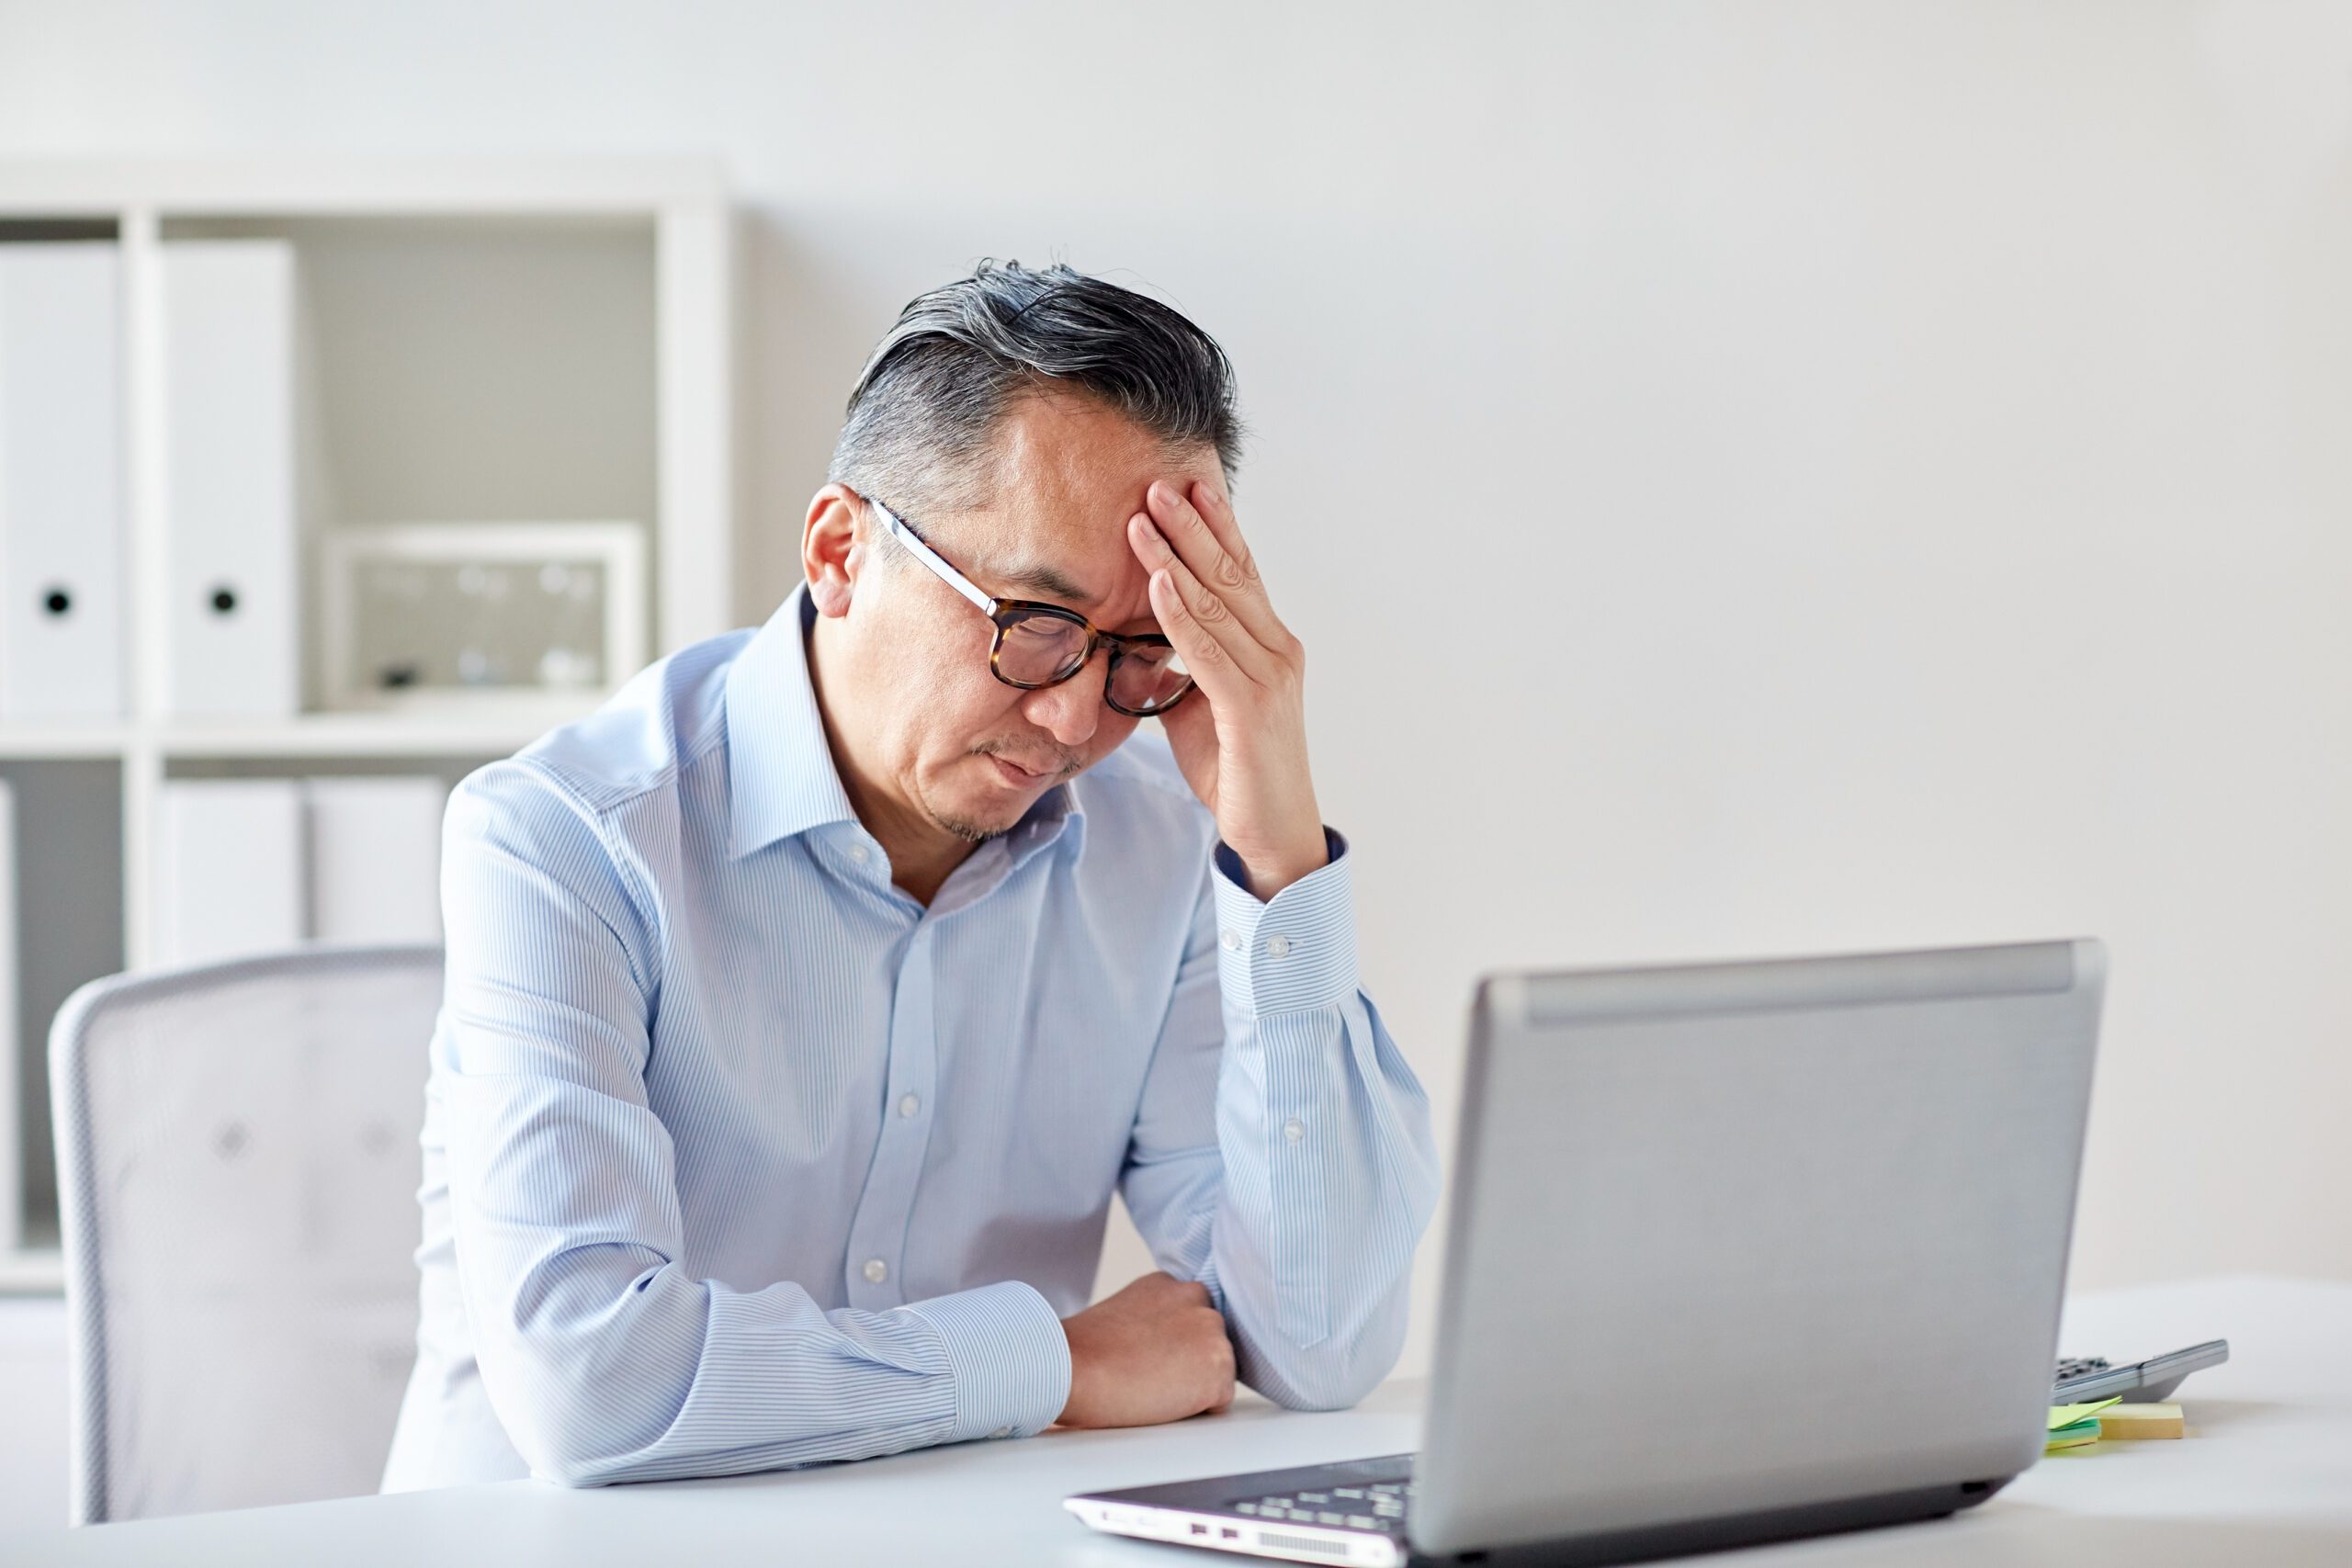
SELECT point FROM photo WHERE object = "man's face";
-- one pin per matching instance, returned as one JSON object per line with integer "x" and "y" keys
{"x": 945, "y": 739}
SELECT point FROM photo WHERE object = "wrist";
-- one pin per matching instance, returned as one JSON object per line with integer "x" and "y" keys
{"x": 1271, "y": 872}
{"x": 1077, "y": 1366}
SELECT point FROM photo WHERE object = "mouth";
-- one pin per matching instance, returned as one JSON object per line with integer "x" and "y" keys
{"x": 1019, "y": 777}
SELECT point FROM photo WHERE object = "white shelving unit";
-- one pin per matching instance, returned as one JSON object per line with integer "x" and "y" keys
{"x": 605, "y": 281}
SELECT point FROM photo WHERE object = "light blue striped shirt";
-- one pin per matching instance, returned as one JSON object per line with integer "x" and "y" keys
{"x": 737, "y": 1156}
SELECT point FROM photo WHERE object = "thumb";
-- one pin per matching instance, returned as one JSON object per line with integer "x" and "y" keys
{"x": 1190, "y": 729}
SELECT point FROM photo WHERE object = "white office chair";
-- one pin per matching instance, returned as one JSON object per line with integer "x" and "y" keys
{"x": 237, "y": 1171}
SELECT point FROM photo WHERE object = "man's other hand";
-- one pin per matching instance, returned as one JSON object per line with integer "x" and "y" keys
{"x": 1156, "y": 1351}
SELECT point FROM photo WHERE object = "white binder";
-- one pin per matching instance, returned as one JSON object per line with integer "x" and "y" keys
{"x": 228, "y": 869}
{"x": 374, "y": 857}
{"x": 230, "y": 376}
{"x": 12, "y": 1147}
{"x": 61, "y": 480}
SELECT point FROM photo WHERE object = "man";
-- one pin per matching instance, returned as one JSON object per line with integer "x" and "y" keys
{"x": 807, "y": 1002}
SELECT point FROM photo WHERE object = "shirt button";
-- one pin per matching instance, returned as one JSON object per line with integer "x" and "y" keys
{"x": 877, "y": 1270}
{"x": 1279, "y": 946}
{"x": 1001, "y": 1432}
{"x": 859, "y": 854}
{"x": 908, "y": 1105}
{"x": 1230, "y": 939}
{"x": 1293, "y": 1129}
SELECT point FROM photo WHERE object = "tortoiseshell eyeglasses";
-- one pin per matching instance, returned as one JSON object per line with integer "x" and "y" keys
{"x": 1043, "y": 645}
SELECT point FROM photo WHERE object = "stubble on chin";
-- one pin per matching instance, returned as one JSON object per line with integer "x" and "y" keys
{"x": 970, "y": 832}
{"x": 969, "y": 829}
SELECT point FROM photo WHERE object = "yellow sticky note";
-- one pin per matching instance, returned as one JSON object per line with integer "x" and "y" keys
{"x": 2142, "y": 1421}
{"x": 2067, "y": 1415}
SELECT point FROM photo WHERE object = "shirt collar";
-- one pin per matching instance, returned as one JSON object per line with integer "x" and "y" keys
{"x": 780, "y": 775}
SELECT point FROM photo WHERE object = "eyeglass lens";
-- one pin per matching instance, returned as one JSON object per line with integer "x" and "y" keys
{"x": 1037, "y": 650}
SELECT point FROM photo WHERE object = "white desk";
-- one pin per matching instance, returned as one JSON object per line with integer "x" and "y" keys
{"x": 2265, "y": 1481}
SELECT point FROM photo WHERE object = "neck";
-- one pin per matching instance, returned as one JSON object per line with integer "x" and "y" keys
{"x": 923, "y": 855}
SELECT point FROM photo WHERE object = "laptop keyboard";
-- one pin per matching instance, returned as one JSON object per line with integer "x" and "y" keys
{"x": 1379, "y": 1506}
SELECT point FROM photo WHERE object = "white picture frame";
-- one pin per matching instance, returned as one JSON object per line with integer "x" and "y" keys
{"x": 618, "y": 548}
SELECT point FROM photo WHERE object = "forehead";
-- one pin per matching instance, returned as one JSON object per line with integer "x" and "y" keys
{"x": 1066, "y": 472}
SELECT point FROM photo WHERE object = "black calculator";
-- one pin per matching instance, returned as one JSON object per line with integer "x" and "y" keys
{"x": 2085, "y": 1378}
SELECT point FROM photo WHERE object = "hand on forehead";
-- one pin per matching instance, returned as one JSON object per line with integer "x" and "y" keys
{"x": 1067, "y": 473}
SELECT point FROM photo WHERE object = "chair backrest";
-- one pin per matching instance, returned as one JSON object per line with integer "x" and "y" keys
{"x": 237, "y": 1171}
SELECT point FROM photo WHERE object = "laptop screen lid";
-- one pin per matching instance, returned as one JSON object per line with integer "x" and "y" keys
{"x": 1735, "y": 1237}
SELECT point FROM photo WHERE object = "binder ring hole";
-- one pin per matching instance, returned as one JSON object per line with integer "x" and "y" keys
{"x": 57, "y": 600}
{"x": 224, "y": 600}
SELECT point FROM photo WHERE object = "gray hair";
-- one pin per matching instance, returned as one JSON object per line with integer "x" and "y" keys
{"x": 926, "y": 407}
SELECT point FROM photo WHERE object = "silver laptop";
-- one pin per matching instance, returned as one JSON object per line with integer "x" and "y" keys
{"x": 1737, "y": 1252}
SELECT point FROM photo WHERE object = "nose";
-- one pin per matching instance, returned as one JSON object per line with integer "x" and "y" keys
{"x": 1071, "y": 711}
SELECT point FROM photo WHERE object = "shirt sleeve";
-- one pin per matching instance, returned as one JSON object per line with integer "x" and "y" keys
{"x": 605, "y": 1358}
{"x": 1282, "y": 1153}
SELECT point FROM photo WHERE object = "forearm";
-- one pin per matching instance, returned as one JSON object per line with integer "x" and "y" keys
{"x": 1329, "y": 1171}
{"x": 607, "y": 1364}
{"x": 1330, "y": 1179}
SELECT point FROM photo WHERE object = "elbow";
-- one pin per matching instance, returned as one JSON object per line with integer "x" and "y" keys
{"x": 1325, "y": 1383}
{"x": 570, "y": 1471}
{"x": 578, "y": 1431}
{"x": 566, "y": 1447}
{"x": 590, "y": 1386}
{"x": 1335, "y": 1374}
{"x": 577, "y": 1448}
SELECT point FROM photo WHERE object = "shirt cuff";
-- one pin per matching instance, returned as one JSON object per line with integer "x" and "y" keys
{"x": 1008, "y": 1357}
{"x": 1294, "y": 951}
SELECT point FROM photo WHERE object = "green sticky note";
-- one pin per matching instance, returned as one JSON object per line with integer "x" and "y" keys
{"x": 2073, "y": 1436}
{"x": 2067, "y": 1415}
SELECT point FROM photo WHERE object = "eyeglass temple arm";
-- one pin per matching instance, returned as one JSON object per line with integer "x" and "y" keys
{"x": 930, "y": 557}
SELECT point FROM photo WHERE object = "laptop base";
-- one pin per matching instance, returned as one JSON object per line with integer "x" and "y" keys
{"x": 1737, "y": 1530}
{"x": 1221, "y": 1512}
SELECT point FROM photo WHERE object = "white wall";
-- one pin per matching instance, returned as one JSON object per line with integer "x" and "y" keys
{"x": 1752, "y": 477}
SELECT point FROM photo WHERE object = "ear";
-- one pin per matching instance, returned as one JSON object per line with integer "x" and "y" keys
{"x": 833, "y": 554}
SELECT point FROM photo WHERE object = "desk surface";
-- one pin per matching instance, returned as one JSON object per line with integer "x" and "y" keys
{"x": 2265, "y": 1478}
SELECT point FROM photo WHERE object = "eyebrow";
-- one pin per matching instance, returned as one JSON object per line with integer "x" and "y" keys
{"x": 1042, "y": 580}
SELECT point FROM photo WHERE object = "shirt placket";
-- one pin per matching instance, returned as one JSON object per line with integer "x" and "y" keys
{"x": 875, "y": 1265}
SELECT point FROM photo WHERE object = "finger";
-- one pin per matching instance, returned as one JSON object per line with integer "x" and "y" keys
{"x": 1213, "y": 610}
{"x": 1212, "y": 623}
{"x": 1212, "y": 669}
{"x": 1180, "y": 524}
{"x": 1210, "y": 500}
